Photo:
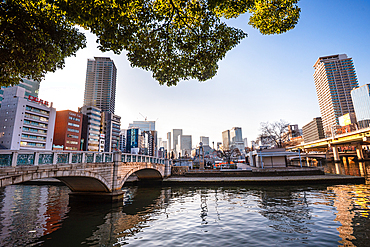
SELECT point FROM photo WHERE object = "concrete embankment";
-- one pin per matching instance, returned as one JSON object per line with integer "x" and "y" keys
{"x": 286, "y": 176}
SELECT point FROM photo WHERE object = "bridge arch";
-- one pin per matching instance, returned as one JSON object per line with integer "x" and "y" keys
{"x": 144, "y": 171}
{"x": 77, "y": 181}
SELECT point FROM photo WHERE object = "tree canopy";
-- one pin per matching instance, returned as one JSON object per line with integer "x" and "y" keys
{"x": 174, "y": 39}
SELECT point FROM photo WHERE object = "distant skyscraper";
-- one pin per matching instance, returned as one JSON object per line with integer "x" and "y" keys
{"x": 204, "y": 140}
{"x": 100, "y": 86}
{"x": 335, "y": 77}
{"x": 175, "y": 138}
{"x": 233, "y": 139}
{"x": 361, "y": 102}
{"x": 143, "y": 125}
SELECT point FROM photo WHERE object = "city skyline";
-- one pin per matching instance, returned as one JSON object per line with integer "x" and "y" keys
{"x": 265, "y": 78}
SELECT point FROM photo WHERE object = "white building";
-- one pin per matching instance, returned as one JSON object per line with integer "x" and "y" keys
{"x": 204, "y": 140}
{"x": 184, "y": 145}
{"x": 26, "y": 123}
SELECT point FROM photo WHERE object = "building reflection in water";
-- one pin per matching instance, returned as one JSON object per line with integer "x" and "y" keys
{"x": 353, "y": 205}
{"x": 30, "y": 212}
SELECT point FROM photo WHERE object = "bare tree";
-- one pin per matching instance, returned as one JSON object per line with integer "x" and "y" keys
{"x": 228, "y": 154}
{"x": 272, "y": 133}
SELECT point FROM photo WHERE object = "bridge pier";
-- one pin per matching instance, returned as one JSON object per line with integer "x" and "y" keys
{"x": 359, "y": 152}
{"x": 336, "y": 154}
{"x": 115, "y": 196}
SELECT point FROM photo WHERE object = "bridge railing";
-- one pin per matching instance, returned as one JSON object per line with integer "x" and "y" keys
{"x": 12, "y": 158}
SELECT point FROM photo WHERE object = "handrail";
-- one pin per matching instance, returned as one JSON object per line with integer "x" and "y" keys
{"x": 12, "y": 158}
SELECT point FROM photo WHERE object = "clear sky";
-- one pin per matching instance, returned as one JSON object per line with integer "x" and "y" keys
{"x": 265, "y": 78}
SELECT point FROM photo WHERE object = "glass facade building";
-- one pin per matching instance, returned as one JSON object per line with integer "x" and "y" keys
{"x": 361, "y": 102}
{"x": 31, "y": 88}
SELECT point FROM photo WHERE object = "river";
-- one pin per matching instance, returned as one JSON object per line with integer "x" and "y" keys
{"x": 318, "y": 215}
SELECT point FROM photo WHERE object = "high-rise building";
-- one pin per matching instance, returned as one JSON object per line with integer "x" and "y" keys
{"x": 169, "y": 146}
{"x": 225, "y": 139}
{"x": 236, "y": 138}
{"x": 67, "y": 131}
{"x": 112, "y": 129}
{"x": 361, "y": 102}
{"x": 335, "y": 77}
{"x": 100, "y": 86}
{"x": 122, "y": 140}
{"x": 143, "y": 125}
{"x": 26, "y": 123}
{"x": 204, "y": 140}
{"x": 313, "y": 131}
{"x": 174, "y": 137}
{"x": 232, "y": 139}
{"x": 31, "y": 88}
{"x": 92, "y": 137}
{"x": 133, "y": 140}
{"x": 184, "y": 145}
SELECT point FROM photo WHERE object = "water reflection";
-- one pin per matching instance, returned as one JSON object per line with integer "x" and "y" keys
{"x": 28, "y": 212}
{"x": 349, "y": 166}
{"x": 192, "y": 216}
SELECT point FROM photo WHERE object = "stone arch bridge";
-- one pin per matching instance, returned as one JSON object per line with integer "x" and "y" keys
{"x": 85, "y": 173}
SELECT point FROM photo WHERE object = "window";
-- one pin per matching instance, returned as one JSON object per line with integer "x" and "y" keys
{"x": 73, "y": 130}
{"x": 74, "y": 125}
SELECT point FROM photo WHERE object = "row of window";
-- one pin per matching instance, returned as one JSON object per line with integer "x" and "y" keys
{"x": 74, "y": 125}
{"x": 72, "y": 142}
{"x": 74, "y": 119}
{"x": 32, "y": 144}
{"x": 43, "y": 119}
{"x": 72, "y": 136}
{"x": 28, "y": 122}
{"x": 40, "y": 138}
{"x": 73, "y": 130}
{"x": 30, "y": 108}
{"x": 27, "y": 129}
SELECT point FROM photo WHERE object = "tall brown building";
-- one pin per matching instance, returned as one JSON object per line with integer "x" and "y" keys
{"x": 67, "y": 131}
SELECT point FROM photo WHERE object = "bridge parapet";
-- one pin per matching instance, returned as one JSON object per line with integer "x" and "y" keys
{"x": 13, "y": 158}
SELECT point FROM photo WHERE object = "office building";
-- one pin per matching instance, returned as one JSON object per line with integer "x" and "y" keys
{"x": 313, "y": 131}
{"x": 122, "y": 140}
{"x": 92, "y": 137}
{"x": 361, "y": 103}
{"x": 100, "y": 86}
{"x": 31, "y": 88}
{"x": 174, "y": 136}
{"x": 236, "y": 138}
{"x": 334, "y": 77}
{"x": 232, "y": 139}
{"x": 149, "y": 143}
{"x": 143, "y": 125}
{"x": 245, "y": 140}
{"x": 67, "y": 131}
{"x": 111, "y": 130}
{"x": 225, "y": 139}
{"x": 204, "y": 140}
{"x": 133, "y": 140}
{"x": 169, "y": 146}
{"x": 26, "y": 123}
{"x": 184, "y": 146}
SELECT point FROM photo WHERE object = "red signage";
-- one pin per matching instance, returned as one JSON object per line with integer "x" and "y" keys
{"x": 37, "y": 100}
